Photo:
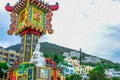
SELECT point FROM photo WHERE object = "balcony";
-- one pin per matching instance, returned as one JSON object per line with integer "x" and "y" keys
{"x": 11, "y": 61}
{"x": 4, "y": 56}
{"x": 1, "y": 48}
{"x": 1, "y": 58}
{"x": 1, "y": 53}
{"x": 12, "y": 56}
{"x": 5, "y": 59}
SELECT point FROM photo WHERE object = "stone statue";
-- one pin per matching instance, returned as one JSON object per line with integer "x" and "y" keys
{"x": 37, "y": 58}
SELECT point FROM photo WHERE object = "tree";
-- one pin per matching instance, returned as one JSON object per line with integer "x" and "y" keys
{"x": 116, "y": 78}
{"x": 58, "y": 59}
{"x": 74, "y": 57}
{"x": 4, "y": 66}
{"x": 97, "y": 74}
{"x": 73, "y": 77}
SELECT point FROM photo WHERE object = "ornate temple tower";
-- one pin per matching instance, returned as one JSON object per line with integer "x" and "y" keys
{"x": 30, "y": 19}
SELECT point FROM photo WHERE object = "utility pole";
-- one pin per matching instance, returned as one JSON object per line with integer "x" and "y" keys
{"x": 80, "y": 55}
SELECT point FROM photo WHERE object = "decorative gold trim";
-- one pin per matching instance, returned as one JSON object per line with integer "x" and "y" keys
{"x": 27, "y": 10}
{"x": 32, "y": 26}
{"x": 31, "y": 46}
{"x": 24, "y": 47}
{"x": 37, "y": 72}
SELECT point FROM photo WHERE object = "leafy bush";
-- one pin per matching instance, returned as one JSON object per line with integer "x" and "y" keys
{"x": 116, "y": 78}
{"x": 73, "y": 77}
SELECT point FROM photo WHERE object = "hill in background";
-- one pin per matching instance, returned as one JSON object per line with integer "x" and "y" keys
{"x": 50, "y": 50}
{"x": 46, "y": 48}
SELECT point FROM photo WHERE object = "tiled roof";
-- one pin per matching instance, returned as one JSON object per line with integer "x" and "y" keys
{"x": 22, "y": 3}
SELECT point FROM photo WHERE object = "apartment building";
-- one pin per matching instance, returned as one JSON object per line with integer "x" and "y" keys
{"x": 1, "y": 54}
{"x": 75, "y": 54}
{"x": 73, "y": 66}
{"x": 112, "y": 73}
{"x": 92, "y": 59}
{"x": 9, "y": 56}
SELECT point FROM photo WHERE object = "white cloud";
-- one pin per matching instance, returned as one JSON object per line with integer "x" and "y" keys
{"x": 5, "y": 44}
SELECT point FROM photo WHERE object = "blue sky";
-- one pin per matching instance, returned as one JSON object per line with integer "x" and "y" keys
{"x": 93, "y": 25}
{"x": 5, "y": 39}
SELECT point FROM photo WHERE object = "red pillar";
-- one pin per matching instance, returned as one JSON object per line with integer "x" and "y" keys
{"x": 55, "y": 74}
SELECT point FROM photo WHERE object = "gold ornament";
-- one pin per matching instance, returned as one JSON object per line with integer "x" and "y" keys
{"x": 10, "y": 32}
{"x": 50, "y": 31}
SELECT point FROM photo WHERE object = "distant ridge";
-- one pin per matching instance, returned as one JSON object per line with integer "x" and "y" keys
{"x": 45, "y": 48}
{"x": 50, "y": 50}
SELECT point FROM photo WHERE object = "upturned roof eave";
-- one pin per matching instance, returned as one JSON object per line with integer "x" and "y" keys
{"x": 23, "y": 3}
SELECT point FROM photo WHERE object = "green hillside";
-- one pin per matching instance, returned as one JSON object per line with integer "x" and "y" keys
{"x": 50, "y": 50}
{"x": 47, "y": 48}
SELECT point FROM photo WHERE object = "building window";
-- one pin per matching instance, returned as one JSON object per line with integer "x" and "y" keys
{"x": 12, "y": 55}
{"x": 71, "y": 71}
{"x": 67, "y": 70}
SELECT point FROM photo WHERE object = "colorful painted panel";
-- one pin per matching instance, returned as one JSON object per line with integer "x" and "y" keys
{"x": 25, "y": 77}
{"x": 44, "y": 73}
{"x": 30, "y": 75}
{"x": 19, "y": 78}
{"x": 21, "y": 18}
{"x": 37, "y": 17}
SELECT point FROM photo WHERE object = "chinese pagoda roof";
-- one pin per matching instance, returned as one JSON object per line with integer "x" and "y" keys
{"x": 39, "y": 3}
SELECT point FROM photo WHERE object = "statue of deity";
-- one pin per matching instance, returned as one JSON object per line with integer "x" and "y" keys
{"x": 37, "y": 58}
